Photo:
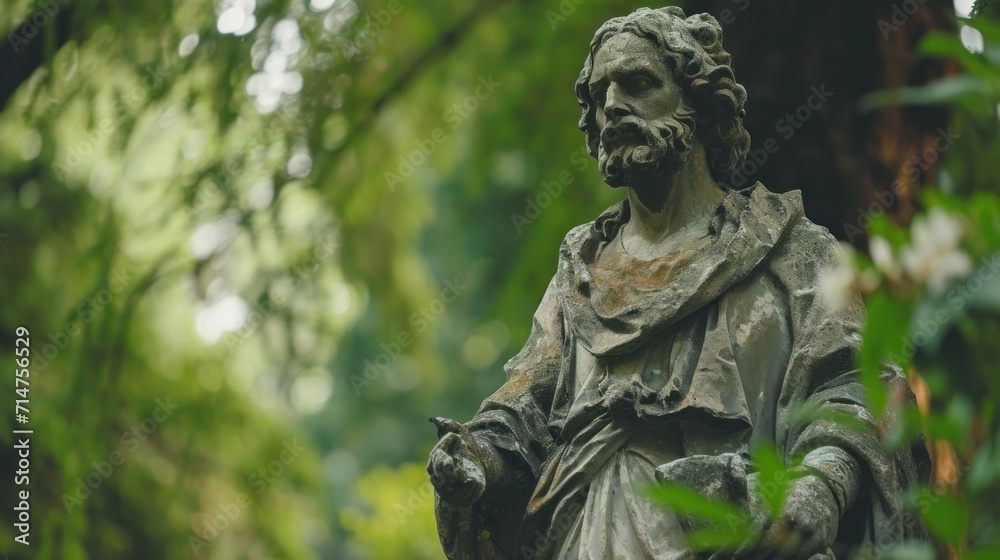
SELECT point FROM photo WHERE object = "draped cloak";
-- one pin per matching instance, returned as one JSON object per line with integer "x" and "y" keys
{"x": 631, "y": 364}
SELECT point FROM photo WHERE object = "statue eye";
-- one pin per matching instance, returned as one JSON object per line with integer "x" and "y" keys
{"x": 639, "y": 83}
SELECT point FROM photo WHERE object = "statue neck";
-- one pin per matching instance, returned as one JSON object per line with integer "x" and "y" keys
{"x": 684, "y": 201}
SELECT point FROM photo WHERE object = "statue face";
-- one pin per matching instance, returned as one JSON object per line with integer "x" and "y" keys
{"x": 645, "y": 127}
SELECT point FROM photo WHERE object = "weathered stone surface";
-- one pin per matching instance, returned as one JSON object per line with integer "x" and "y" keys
{"x": 682, "y": 328}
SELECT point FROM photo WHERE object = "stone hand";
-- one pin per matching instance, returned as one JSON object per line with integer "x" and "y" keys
{"x": 717, "y": 477}
{"x": 456, "y": 464}
{"x": 805, "y": 528}
{"x": 720, "y": 478}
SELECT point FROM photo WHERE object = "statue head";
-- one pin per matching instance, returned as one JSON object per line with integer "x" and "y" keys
{"x": 656, "y": 86}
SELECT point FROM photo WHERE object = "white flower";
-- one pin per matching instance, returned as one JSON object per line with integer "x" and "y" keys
{"x": 837, "y": 284}
{"x": 881, "y": 254}
{"x": 933, "y": 255}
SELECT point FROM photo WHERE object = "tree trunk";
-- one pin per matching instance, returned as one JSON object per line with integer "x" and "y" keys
{"x": 830, "y": 54}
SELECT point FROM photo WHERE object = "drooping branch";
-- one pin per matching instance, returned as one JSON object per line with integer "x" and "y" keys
{"x": 448, "y": 39}
{"x": 23, "y": 50}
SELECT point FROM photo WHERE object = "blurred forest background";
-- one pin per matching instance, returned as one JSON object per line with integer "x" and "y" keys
{"x": 257, "y": 243}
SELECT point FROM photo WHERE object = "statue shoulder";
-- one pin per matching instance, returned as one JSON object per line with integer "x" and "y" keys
{"x": 805, "y": 253}
{"x": 576, "y": 235}
{"x": 601, "y": 228}
{"x": 806, "y": 256}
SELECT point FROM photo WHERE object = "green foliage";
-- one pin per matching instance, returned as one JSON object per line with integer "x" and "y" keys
{"x": 713, "y": 524}
{"x": 772, "y": 468}
{"x": 886, "y": 327}
{"x": 947, "y": 519}
{"x": 153, "y": 142}
{"x": 395, "y": 517}
{"x": 948, "y": 332}
{"x": 721, "y": 526}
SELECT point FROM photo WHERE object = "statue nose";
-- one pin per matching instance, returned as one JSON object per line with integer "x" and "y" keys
{"x": 613, "y": 106}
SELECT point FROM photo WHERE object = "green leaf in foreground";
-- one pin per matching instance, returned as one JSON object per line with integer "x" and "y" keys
{"x": 773, "y": 481}
{"x": 940, "y": 91}
{"x": 720, "y": 525}
{"x": 885, "y": 337}
{"x": 947, "y": 518}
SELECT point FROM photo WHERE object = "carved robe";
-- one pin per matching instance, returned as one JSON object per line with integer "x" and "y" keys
{"x": 631, "y": 364}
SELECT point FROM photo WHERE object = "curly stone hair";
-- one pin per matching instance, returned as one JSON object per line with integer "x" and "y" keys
{"x": 692, "y": 49}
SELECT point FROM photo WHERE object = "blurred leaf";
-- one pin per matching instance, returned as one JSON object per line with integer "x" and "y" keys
{"x": 773, "y": 475}
{"x": 725, "y": 526}
{"x": 949, "y": 89}
{"x": 984, "y": 469}
{"x": 946, "y": 518}
{"x": 989, "y": 552}
{"x": 884, "y": 338}
{"x": 949, "y": 46}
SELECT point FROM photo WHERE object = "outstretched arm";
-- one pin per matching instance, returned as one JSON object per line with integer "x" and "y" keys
{"x": 501, "y": 450}
{"x": 513, "y": 422}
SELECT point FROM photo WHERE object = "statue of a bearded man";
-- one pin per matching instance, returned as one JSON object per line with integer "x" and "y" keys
{"x": 683, "y": 328}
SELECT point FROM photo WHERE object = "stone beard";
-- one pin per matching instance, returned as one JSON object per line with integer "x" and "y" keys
{"x": 672, "y": 362}
{"x": 635, "y": 151}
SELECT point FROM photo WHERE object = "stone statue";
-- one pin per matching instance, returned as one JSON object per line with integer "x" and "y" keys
{"x": 683, "y": 327}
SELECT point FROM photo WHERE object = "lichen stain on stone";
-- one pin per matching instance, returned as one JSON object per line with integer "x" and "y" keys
{"x": 762, "y": 308}
{"x": 514, "y": 386}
